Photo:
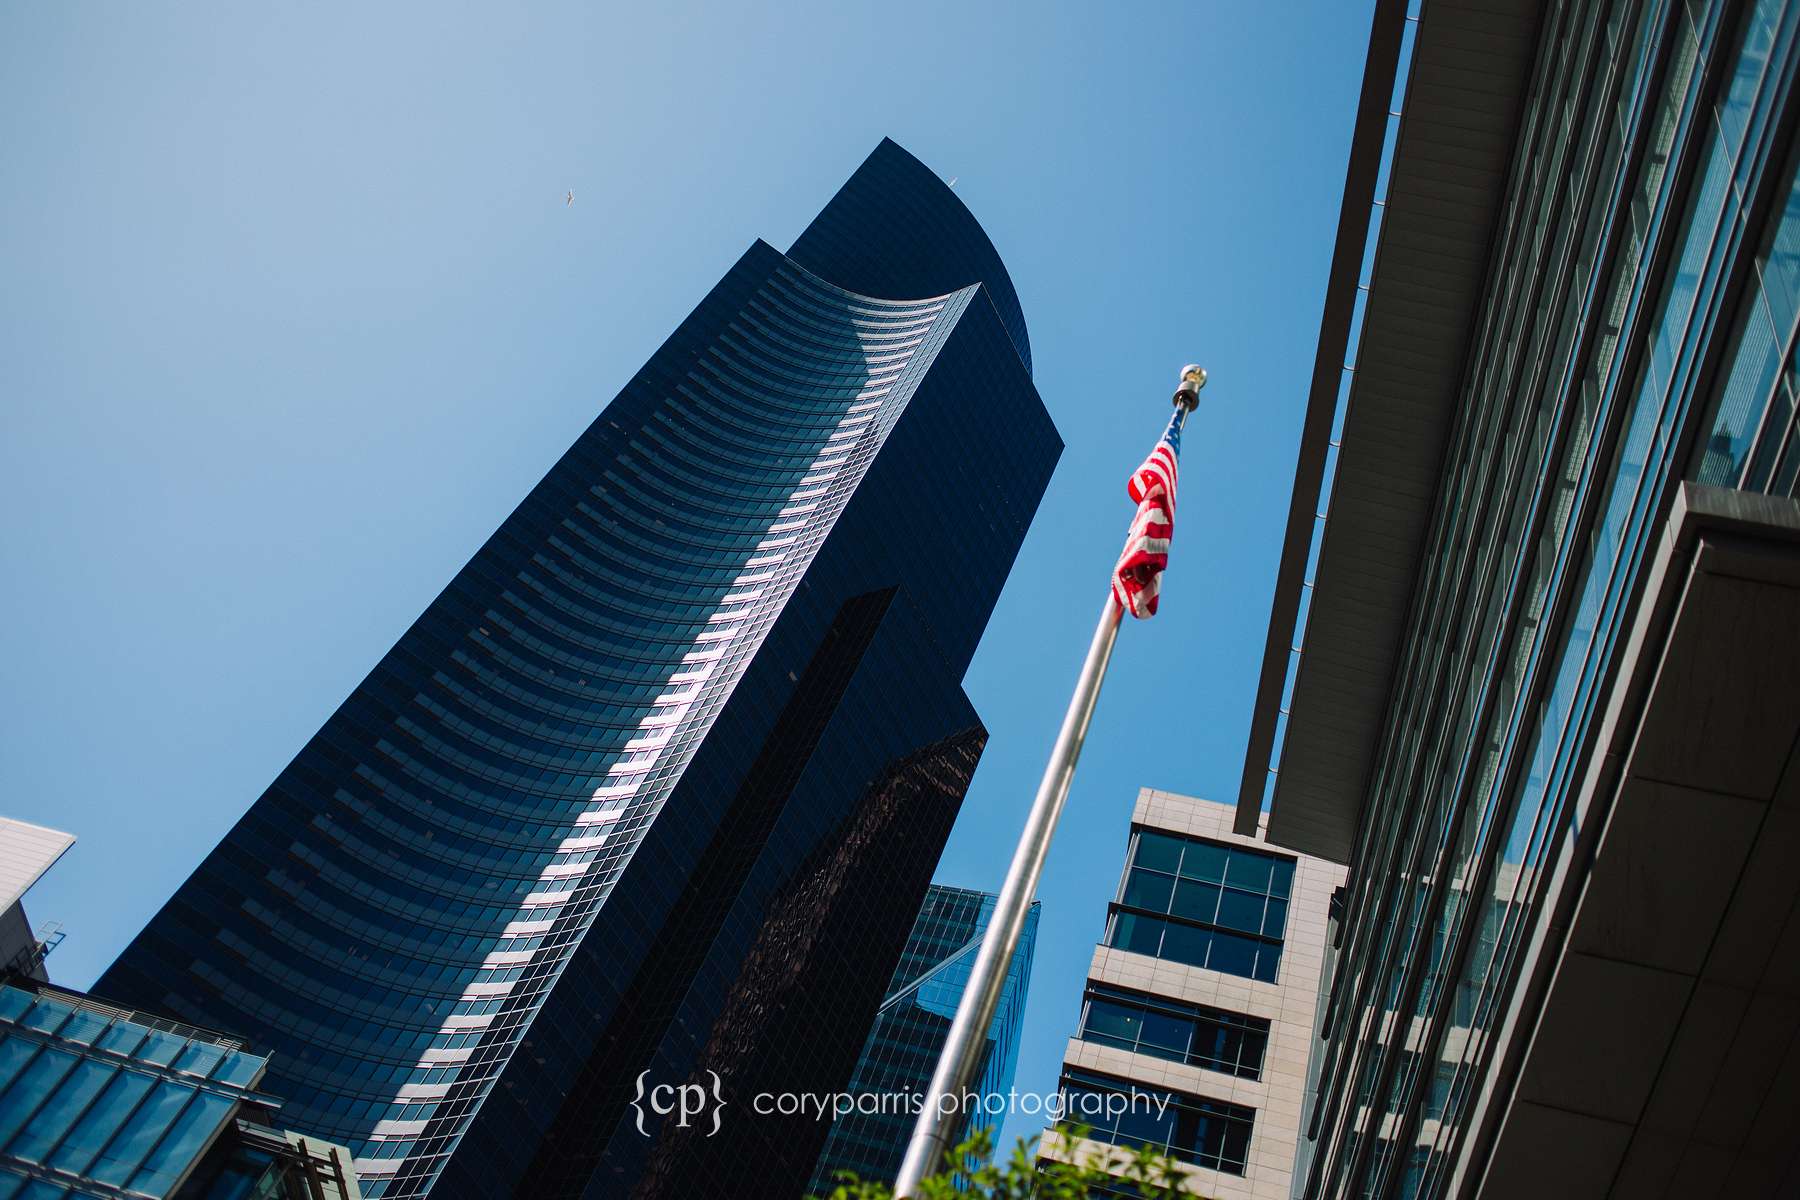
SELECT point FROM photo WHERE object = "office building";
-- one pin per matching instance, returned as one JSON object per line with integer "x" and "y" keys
{"x": 650, "y": 794}
{"x": 1200, "y": 1003}
{"x": 869, "y": 1137}
{"x": 99, "y": 1101}
{"x": 1533, "y": 666}
{"x": 96, "y": 1101}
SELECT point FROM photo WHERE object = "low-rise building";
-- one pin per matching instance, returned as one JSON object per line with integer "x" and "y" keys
{"x": 102, "y": 1101}
{"x": 1200, "y": 1002}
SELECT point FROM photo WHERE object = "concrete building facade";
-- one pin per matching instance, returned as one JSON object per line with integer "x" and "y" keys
{"x": 26, "y": 852}
{"x": 1199, "y": 996}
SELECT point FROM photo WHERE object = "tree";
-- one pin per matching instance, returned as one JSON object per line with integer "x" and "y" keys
{"x": 1127, "y": 1172}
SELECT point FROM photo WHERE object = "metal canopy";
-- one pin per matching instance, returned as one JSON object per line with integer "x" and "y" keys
{"x": 1471, "y": 67}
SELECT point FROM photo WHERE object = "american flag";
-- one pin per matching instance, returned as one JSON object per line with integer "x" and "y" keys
{"x": 1138, "y": 578}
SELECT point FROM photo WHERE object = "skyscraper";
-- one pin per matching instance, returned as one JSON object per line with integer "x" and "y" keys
{"x": 909, "y": 1033}
{"x": 1546, "y": 691}
{"x": 650, "y": 794}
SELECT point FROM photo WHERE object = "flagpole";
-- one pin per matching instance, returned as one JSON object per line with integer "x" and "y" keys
{"x": 943, "y": 1103}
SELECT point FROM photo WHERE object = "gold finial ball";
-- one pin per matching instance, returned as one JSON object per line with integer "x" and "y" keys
{"x": 1187, "y": 393}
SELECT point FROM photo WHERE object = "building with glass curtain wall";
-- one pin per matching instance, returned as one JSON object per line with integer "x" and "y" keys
{"x": 1533, "y": 668}
{"x": 653, "y": 790}
{"x": 99, "y": 1102}
{"x": 909, "y": 1033}
{"x": 1200, "y": 1003}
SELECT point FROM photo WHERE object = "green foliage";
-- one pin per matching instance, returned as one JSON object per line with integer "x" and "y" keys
{"x": 1023, "y": 1176}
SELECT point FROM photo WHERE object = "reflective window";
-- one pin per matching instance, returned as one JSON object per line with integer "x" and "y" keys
{"x": 77, "y": 1151}
{"x": 46, "y": 1015}
{"x": 79, "y": 1102}
{"x": 1203, "y": 903}
{"x": 1207, "y": 1133}
{"x": 182, "y": 1144}
{"x": 32, "y": 1088}
{"x": 14, "y": 1052}
{"x": 1200, "y": 1036}
{"x": 53, "y": 1118}
{"x": 147, "y": 1125}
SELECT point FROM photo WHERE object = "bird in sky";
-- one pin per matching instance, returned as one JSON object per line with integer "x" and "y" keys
{"x": 569, "y": 199}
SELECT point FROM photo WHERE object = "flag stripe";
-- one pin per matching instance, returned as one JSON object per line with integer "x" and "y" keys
{"x": 1137, "y": 580}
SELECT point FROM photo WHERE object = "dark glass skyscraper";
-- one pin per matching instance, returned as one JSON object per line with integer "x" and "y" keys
{"x": 909, "y": 1033}
{"x": 652, "y": 791}
{"x": 1536, "y": 679}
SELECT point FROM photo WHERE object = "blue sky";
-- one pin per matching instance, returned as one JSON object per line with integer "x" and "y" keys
{"x": 292, "y": 313}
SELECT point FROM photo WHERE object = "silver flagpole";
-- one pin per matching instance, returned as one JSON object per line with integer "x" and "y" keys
{"x": 943, "y": 1103}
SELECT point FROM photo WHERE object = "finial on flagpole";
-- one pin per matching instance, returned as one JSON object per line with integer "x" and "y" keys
{"x": 1193, "y": 378}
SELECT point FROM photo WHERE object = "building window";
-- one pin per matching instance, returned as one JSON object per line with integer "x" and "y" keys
{"x": 1204, "y": 904}
{"x": 1206, "y": 1133}
{"x": 1185, "y": 1033}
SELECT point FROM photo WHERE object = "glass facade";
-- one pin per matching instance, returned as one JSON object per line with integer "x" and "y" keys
{"x": 92, "y": 1104}
{"x": 1637, "y": 329}
{"x": 661, "y": 776}
{"x": 909, "y": 1033}
{"x": 1204, "y": 904}
{"x": 1214, "y": 1134}
{"x": 1196, "y": 1034}
{"x": 95, "y": 1101}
